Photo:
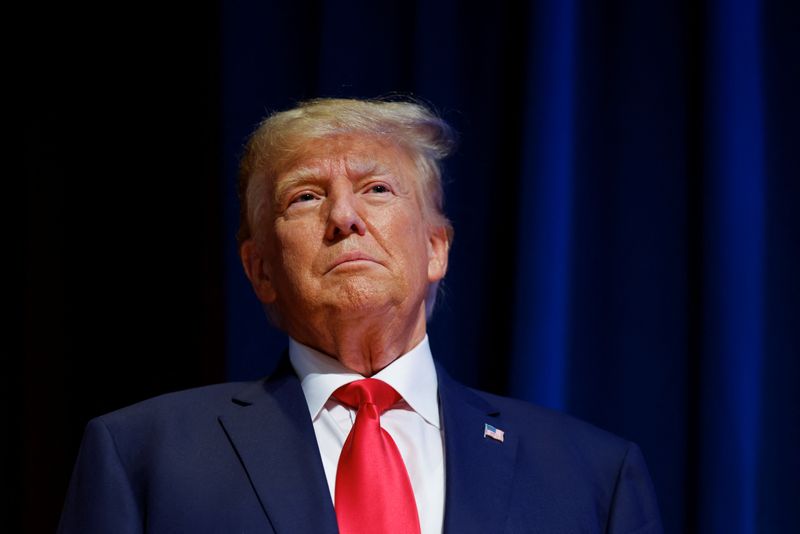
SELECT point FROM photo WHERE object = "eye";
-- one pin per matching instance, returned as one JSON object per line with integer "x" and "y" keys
{"x": 378, "y": 188}
{"x": 304, "y": 197}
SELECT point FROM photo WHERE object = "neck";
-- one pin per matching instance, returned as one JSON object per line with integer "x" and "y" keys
{"x": 365, "y": 346}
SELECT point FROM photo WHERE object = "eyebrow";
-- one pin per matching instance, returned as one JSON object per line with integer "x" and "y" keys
{"x": 293, "y": 178}
{"x": 358, "y": 168}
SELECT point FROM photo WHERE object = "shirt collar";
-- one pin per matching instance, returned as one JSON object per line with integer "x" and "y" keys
{"x": 413, "y": 375}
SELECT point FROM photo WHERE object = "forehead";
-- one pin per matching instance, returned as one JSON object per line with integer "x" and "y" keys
{"x": 355, "y": 154}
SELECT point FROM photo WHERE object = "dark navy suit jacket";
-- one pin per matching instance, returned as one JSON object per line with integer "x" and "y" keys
{"x": 236, "y": 458}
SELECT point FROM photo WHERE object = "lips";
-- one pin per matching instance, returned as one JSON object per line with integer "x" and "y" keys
{"x": 349, "y": 257}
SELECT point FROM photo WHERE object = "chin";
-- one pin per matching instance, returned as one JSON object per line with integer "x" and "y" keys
{"x": 359, "y": 297}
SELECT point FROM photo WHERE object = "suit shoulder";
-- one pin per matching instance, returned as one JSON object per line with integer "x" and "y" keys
{"x": 583, "y": 473}
{"x": 178, "y": 405}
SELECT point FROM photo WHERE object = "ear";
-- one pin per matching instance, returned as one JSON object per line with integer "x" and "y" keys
{"x": 255, "y": 267}
{"x": 438, "y": 251}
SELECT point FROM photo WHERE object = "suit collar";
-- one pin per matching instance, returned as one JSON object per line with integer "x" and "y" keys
{"x": 271, "y": 431}
{"x": 479, "y": 471}
{"x": 272, "y": 434}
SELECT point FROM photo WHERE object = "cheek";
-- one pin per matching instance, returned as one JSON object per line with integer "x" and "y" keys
{"x": 296, "y": 252}
{"x": 408, "y": 238}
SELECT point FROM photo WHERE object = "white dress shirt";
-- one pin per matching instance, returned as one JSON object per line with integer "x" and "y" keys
{"x": 413, "y": 423}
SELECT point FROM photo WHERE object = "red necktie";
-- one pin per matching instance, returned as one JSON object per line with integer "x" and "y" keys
{"x": 373, "y": 491}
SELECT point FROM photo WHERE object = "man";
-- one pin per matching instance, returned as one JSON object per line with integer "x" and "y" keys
{"x": 344, "y": 241}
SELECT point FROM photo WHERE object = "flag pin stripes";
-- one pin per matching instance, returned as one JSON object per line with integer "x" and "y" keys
{"x": 491, "y": 432}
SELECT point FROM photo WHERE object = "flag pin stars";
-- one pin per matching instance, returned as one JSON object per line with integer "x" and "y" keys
{"x": 491, "y": 432}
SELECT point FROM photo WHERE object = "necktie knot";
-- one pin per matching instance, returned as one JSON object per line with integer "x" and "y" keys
{"x": 367, "y": 391}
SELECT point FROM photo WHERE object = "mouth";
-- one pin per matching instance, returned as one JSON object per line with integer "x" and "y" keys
{"x": 355, "y": 257}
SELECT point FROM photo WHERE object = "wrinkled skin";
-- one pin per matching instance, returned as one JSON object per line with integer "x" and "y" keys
{"x": 344, "y": 252}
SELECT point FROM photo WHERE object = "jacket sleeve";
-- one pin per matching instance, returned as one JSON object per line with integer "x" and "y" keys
{"x": 634, "y": 509}
{"x": 101, "y": 497}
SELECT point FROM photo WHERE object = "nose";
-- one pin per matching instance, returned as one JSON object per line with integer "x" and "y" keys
{"x": 343, "y": 217}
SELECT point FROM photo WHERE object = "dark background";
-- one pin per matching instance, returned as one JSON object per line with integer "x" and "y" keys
{"x": 624, "y": 196}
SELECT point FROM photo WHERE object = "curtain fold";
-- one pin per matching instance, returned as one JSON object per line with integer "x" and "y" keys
{"x": 733, "y": 269}
{"x": 541, "y": 311}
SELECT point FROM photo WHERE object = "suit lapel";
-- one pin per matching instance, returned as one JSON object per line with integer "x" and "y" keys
{"x": 272, "y": 434}
{"x": 479, "y": 470}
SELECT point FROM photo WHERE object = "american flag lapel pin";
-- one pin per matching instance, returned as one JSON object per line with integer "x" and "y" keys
{"x": 491, "y": 432}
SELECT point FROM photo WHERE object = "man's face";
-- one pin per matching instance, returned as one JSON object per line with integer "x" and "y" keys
{"x": 345, "y": 235}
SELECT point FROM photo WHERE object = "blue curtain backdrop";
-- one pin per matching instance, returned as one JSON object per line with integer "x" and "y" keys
{"x": 625, "y": 202}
